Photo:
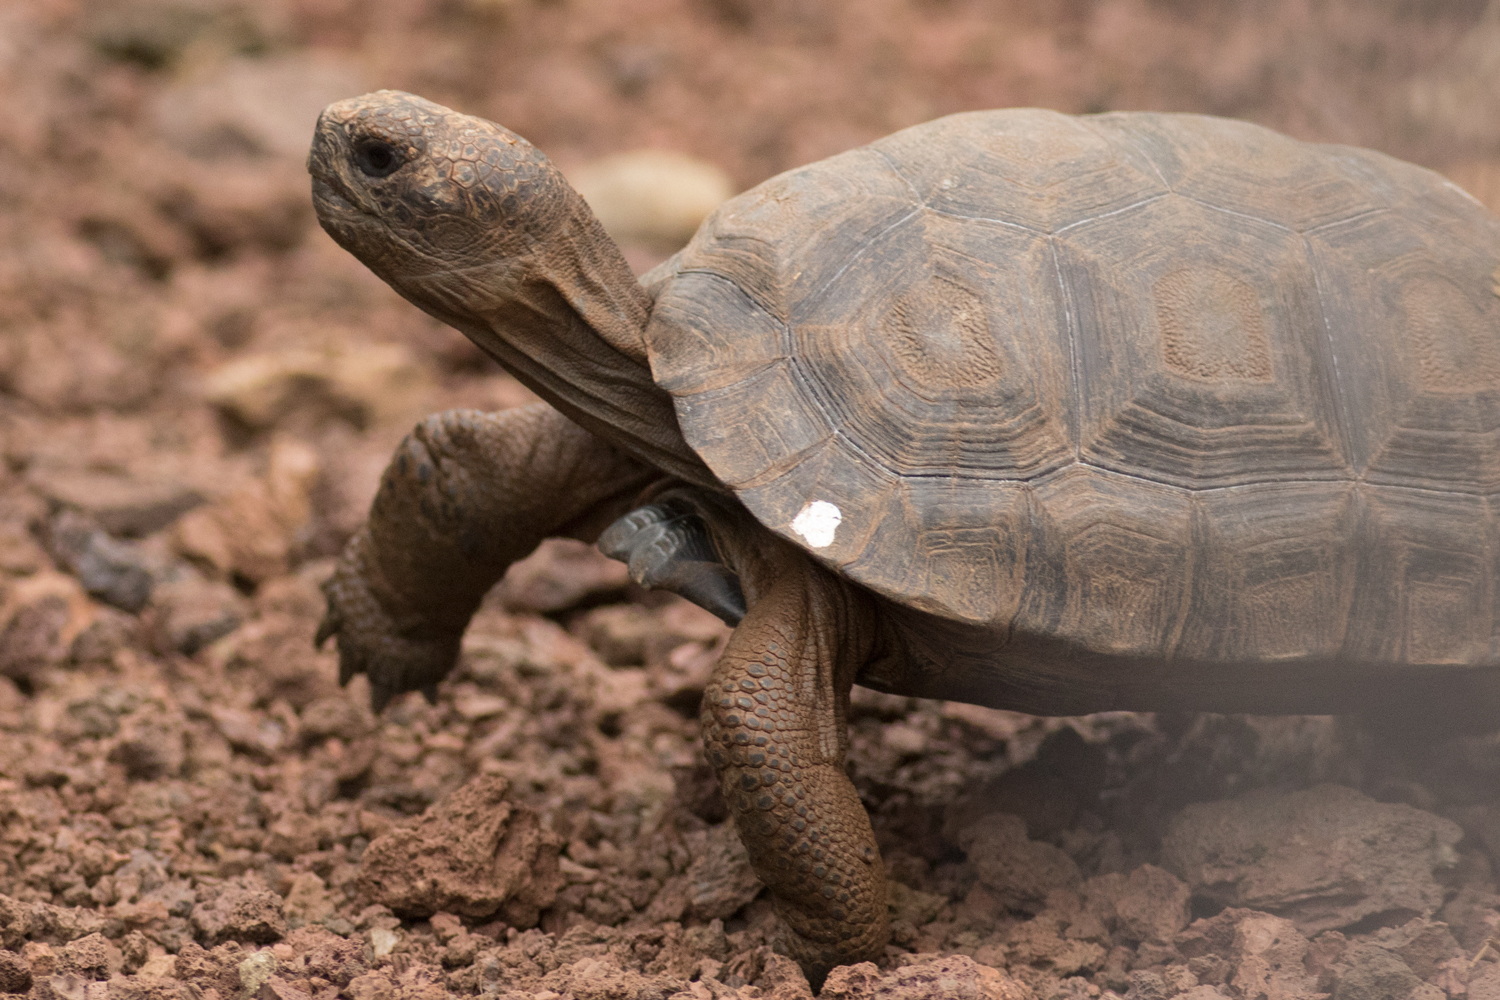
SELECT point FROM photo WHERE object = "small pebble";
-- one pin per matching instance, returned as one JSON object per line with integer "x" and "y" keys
{"x": 383, "y": 942}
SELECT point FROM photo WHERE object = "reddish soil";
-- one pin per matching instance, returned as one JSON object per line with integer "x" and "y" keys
{"x": 198, "y": 391}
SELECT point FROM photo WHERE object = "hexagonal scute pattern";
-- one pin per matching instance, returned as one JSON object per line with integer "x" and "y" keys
{"x": 1201, "y": 348}
{"x": 1114, "y": 382}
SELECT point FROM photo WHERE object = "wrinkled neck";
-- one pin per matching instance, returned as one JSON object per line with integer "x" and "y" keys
{"x": 587, "y": 269}
{"x": 568, "y": 320}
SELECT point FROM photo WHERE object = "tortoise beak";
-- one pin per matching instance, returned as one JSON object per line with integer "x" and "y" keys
{"x": 326, "y": 198}
{"x": 338, "y": 211}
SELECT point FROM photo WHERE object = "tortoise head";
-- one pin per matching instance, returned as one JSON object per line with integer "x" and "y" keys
{"x": 472, "y": 224}
{"x": 447, "y": 208}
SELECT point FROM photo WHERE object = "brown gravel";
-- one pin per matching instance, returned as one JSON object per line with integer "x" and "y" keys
{"x": 198, "y": 392}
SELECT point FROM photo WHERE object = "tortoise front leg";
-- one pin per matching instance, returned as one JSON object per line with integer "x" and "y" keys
{"x": 774, "y": 726}
{"x": 466, "y": 494}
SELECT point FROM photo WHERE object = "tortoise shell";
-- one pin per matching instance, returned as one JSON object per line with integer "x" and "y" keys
{"x": 1151, "y": 385}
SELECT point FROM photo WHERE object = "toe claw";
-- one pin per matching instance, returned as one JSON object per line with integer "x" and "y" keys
{"x": 327, "y": 629}
{"x": 347, "y": 669}
{"x": 380, "y": 696}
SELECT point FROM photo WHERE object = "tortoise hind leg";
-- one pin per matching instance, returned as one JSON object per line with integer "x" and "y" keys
{"x": 668, "y": 547}
{"x": 774, "y": 726}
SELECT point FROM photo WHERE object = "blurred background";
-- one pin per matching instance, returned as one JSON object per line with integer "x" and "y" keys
{"x": 198, "y": 391}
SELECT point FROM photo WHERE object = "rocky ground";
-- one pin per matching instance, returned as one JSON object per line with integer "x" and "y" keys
{"x": 198, "y": 391}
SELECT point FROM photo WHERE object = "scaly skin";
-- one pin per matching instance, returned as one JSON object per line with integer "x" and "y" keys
{"x": 466, "y": 494}
{"x": 774, "y": 721}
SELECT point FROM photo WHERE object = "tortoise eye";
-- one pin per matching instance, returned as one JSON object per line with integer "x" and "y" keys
{"x": 376, "y": 158}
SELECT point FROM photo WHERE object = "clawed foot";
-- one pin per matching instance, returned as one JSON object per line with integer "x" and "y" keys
{"x": 667, "y": 547}
{"x": 397, "y": 656}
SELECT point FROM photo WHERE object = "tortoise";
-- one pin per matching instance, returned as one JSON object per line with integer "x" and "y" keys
{"x": 1049, "y": 413}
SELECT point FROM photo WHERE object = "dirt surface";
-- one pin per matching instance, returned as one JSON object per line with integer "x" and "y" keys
{"x": 197, "y": 394}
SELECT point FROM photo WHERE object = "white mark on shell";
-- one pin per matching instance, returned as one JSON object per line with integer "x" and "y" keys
{"x": 817, "y": 522}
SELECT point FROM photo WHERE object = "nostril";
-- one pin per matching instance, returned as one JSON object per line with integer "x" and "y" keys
{"x": 376, "y": 158}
